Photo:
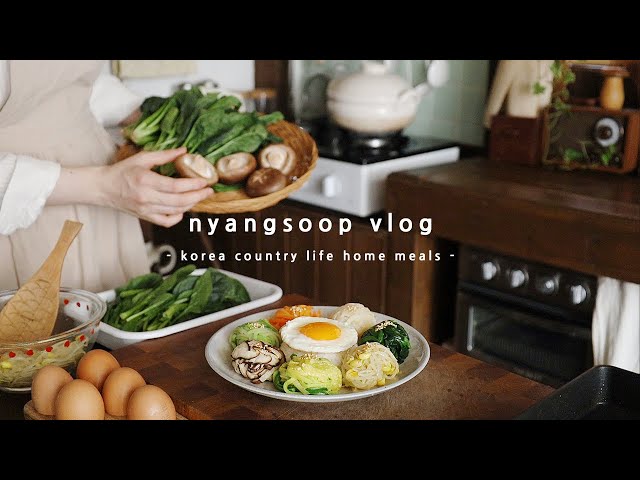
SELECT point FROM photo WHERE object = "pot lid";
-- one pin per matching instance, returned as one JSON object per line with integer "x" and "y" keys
{"x": 374, "y": 84}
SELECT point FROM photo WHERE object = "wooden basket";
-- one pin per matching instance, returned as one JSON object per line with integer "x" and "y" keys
{"x": 238, "y": 201}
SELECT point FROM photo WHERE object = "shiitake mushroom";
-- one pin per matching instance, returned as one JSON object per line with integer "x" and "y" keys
{"x": 192, "y": 165}
{"x": 265, "y": 181}
{"x": 236, "y": 167}
{"x": 279, "y": 156}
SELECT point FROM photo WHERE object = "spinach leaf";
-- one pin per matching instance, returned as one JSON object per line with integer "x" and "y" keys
{"x": 227, "y": 292}
{"x": 221, "y": 187}
{"x": 249, "y": 141}
{"x": 198, "y": 301}
{"x": 390, "y": 334}
{"x": 186, "y": 284}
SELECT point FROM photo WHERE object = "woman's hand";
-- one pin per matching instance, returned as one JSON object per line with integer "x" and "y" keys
{"x": 132, "y": 187}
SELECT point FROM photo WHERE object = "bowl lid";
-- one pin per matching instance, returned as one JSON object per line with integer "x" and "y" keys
{"x": 374, "y": 84}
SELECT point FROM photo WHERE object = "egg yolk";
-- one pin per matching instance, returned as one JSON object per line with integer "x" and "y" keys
{"x": 321, "y": 331}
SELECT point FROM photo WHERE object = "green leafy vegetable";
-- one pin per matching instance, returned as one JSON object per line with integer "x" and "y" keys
{"x": 249, "y": 141}
{"x": 207, "y": 124}
{"x": 199, "y": 298}
{"x": 187, "y": 284}
{"x": 271, "y": 118}
{"x": 227, "y": 292}
{"x": 391, "y": 335}
{"x": 151, "y": 104}
{"x": 261, "y": 330}
{"x": 147, "y": 129}
{"x": 148, "y": 280}
{"x": 148, "y": 302}
{"x": 221, "y": 187}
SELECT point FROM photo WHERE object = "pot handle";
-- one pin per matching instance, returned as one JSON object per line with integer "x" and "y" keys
{"x": 437, "y": 75}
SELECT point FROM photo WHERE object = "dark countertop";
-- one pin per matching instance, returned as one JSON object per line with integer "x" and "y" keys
{"x": 585, "y": 221}
{"x": 452, "y": 386}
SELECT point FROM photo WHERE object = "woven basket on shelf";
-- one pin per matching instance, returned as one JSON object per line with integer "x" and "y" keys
{"x": 238, "y": 201}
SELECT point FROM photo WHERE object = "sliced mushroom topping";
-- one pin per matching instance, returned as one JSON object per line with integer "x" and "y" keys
{"x": 265, "y": 181}
{"x": 192, "y": 165}
{"x": 235, "y": 168}
{"x": 279, "y": 156}
{"x": 256, "y": 360}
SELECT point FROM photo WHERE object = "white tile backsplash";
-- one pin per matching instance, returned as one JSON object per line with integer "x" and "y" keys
{"x": 455, "y": 111}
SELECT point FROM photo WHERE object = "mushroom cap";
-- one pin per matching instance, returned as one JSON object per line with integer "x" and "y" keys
{"x": 265, "y": 181}
{"x": 279, "y": 156}
{"x": 236, "y": 167}
{"x": 191, "y": 165}
{"x": 256, "y": 360}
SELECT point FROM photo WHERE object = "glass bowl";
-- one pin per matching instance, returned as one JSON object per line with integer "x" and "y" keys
{"x": 75, "y": 333}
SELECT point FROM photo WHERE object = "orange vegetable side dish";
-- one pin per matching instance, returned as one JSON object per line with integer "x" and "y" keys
{"x": 285, "y": 314}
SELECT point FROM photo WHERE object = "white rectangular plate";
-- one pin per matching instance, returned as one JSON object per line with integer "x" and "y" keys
{"x": 261, "y": 293}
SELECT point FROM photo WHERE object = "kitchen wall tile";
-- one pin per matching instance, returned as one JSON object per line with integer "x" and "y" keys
{"x": 424, "y": 117}
{"x": 473, "y": 103}
{"x": 476, "y": 74}
{"x": 473, "y": 134}
{"x": 445, "y": 129}
{"x": 456, "y": 68}
{"x": 447, "y": 103}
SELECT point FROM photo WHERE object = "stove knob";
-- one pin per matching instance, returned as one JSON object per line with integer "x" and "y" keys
{"x": 578, "y": 294}
{"x": 330, "y": 186}
{"x": 517, "y": 278}
{"x": 489, "y": 270}
{"x": 546, "y": 285}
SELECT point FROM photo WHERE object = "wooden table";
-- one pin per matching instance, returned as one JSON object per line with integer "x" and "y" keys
{"x": 452, "y": 386}
{"x": 583, "y": 221}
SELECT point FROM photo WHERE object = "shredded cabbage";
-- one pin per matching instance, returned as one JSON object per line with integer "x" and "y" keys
{"x": 261, "y": 331}
{"x": 369, "y": 365}
{"x": 309, "y": 375}
{"x": 17, "y": 367}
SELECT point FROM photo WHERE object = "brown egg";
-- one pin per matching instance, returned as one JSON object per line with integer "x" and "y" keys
{"x": 45, "y": 386}
{"x": 79, "y": 400}
{"x": 117, "y": 389}
{"x": 150, "y": 403}
{"x": 96, "y": 366}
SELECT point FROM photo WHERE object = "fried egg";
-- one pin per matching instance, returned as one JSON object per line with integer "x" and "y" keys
{"x": 323, "y": 337}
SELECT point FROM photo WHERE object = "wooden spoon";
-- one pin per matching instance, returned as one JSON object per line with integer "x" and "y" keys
{"x": 32, "y": 312}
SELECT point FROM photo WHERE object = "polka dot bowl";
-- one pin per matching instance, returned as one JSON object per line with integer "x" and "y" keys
{"x": 75, "y": 333}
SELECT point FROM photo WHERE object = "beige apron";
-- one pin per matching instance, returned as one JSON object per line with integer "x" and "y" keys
{"x": 47, "y": 116}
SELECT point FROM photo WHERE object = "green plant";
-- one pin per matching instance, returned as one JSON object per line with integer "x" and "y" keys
{"x": 563, "y": 76}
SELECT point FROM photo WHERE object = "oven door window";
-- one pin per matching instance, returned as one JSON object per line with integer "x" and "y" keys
{"x": 547, "y": 350}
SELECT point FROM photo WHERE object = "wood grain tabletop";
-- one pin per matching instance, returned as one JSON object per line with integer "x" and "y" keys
{"x": 452, "y": 386}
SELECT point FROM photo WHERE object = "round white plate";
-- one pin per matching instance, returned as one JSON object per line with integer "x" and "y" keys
{"x": 218, "y": 354}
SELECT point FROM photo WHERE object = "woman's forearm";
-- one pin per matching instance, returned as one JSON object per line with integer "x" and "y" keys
{"x": 80, "y": 185}
{"x": 132, "y": 187}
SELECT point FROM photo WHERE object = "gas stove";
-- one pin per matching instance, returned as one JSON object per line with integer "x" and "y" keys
{"x": 351, "y": 172}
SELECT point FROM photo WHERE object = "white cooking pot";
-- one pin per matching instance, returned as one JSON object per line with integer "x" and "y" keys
{"x": 375, "y": 101}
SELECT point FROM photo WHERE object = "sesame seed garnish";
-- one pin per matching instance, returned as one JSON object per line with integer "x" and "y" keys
{"x": 384, "y": 324}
